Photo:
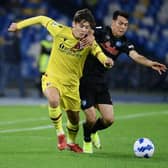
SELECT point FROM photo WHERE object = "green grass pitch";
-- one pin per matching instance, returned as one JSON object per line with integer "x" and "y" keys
{"x": 27, "y": 139}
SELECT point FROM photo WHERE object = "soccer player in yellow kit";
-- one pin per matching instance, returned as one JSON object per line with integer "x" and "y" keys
{"x": 61, "y": 81}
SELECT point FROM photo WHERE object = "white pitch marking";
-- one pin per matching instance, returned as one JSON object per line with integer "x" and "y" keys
{"x": 131, "y": 116}
{"x": 137, "y": 115}
{"x": 23, "y": 121}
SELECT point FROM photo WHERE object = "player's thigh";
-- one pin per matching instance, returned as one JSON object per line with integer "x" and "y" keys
{"x": 51, "y": 89}
{"x": 88, "y": 97}
{"x": 90, "y": 114}
{"x": 70, "y": 97}
{"x": 71, "y": 103}
{"x": 52, "y": 93}
{"x": 106, "y": 111}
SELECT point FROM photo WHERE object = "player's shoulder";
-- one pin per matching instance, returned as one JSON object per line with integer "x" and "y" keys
{"x": 102, "y": 29}
{"x": 57, "y": 24}
{"x": 129, "y": 44}
{"x": 124, "y": 38}
{"x": 62, "y": 28}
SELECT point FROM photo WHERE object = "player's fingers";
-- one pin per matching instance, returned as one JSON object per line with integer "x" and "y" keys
{"x": 163, "y": 69}
{"x": 164, "y": 66}
{"x": 86, "y": 40}
{"x": 11, "y": 28}
{"x": 159, "y": 71}
{"x": 85, "y": 43}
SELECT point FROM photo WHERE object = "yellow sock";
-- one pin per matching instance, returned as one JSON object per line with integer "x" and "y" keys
{"x": 55, "y": 115}
{"x": 72, "y": 132}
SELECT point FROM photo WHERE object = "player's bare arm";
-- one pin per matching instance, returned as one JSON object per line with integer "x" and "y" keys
{"x": 160, "y": 68}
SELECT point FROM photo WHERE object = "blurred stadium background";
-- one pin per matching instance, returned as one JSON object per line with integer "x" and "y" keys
{"x": 148, "y": 31}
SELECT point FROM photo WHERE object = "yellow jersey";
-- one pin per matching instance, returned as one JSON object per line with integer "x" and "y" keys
{"x": 66, "y": 61}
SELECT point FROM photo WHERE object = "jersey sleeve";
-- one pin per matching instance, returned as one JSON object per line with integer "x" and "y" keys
{"x": 97, "y": 52}
{"x": 129, "y": 46}
{"x": 52, "y": 26}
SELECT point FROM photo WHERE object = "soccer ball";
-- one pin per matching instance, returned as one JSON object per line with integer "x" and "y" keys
{"x": 144, "y": 148}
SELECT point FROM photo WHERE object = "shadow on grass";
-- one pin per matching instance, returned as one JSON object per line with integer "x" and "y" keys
{"x": 98, "y": 155}
{"x": 125, "y": 156}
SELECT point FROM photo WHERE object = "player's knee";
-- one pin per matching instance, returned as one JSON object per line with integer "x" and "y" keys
{"x": 91, "y": 121}
{"x": 53, "y": 97}
{"x": 108, "y": 121}
{"x": 53, "y": 103}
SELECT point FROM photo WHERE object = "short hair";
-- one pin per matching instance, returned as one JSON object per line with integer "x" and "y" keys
{"x": 86, "y": 15}
{"x": 120, "y": 13}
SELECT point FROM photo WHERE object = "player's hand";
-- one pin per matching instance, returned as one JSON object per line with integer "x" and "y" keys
{"x": 12, "y": 27}
{"x": 160, "y": 68}
{"x": 109, "y": 63}
{"x": 88, "y": 40}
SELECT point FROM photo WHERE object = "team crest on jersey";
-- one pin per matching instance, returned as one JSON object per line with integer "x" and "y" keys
{"x": 84, "y": 102}
{"x": 118, "y": 43}
{"x": 48, "y": 84}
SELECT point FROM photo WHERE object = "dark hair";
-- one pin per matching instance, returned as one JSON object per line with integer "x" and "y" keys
{"x": 120, "y": 13}
{"x": 86, "y": 15}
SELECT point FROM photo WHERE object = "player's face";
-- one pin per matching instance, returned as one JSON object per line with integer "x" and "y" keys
{"x": 81, "y": 29}
{"x": 119, "y": 26}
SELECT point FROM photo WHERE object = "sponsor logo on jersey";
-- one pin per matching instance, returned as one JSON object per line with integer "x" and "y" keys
{"x": 84, "y": 102}
{"x": 118, "y": 44}
{"x": 66, "y": 47}
{"x": 107, "y": 46}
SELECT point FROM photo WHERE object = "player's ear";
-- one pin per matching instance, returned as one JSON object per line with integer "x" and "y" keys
{"x": 112, "y": 22}
{"x": 73, "y": 24}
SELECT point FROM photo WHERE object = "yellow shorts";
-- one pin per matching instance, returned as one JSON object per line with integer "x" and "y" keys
{"x": 69, "y": 94}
